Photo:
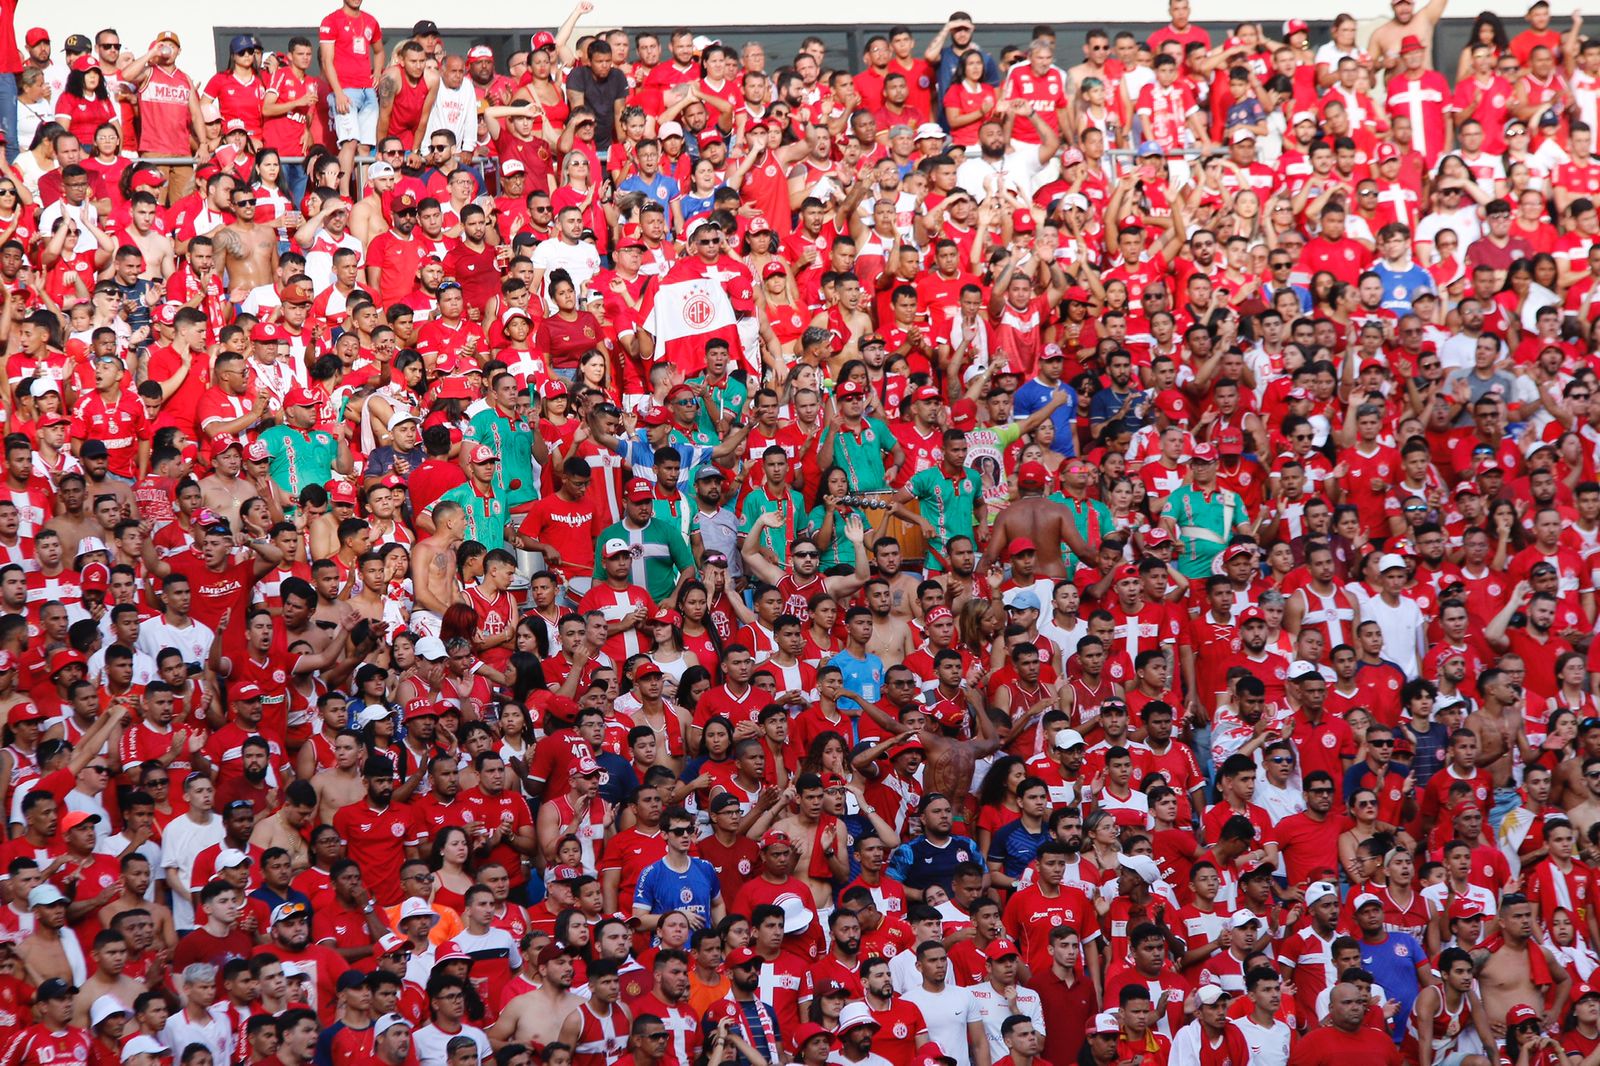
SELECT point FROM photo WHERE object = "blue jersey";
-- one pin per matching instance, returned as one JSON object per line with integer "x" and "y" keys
{"x": 1393, "y": 964}
{"x": 663, "y": 889}
{"x": 1035, "y": 395}
{"x": 1400, "y": 287}
{"x": 919, "y": 862}
{"x": 861, "y": 676}
{"x": 1012, "y": 848}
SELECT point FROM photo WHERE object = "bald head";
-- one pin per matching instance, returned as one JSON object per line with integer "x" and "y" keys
{"x": 1347, "y": 1005}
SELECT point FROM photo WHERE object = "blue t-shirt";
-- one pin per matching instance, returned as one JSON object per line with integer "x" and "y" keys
{"x": 862, "y": 676}
{"x": 920, "y": 863}
{"x": 663, "y": 889}
{"x": 692, "y": 205}
{"x": 1013, "y": 847}
{"x": 1393, "y": 964}
{"x": 1400, "y": 287}
{"x": 1035, "y": 395}
{"x": 662, "y": 189}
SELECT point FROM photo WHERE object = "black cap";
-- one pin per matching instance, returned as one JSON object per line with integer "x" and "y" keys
{"x": 76, "y": 43}
{"x": 351, "y": 979}
{"x": 425, "y": 28}
{"x": 55, "y": 988}
{"x": 723, "y": 801}
{"x": 93, "y": 449}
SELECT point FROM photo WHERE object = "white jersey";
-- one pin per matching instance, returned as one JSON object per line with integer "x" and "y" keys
{"x": 1268, "y": 1047}
{"x": 946, "y": 1013}
{"x": 991, "y": 1008}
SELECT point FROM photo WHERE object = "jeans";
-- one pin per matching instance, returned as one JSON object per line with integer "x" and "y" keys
{"x": 8, "y": 115}
{"x": 294, "y": 179}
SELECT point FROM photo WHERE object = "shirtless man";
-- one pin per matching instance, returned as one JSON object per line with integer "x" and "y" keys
{"x": 76, "y": 521}
{"x": 1498, "y": 725}
{"x": 902, "y": 584}
{"x": 147, "y": 923}
{"x": 366, "y": 217}
{"x": 1037, "y": 519}
{"x": 249, "y": 250}
{"x": 223, "y": 491}
{"x": 801, "y": 828}
{"x": 537, "y": 1015}
{"x": 1504, "y": 975}
{"x": 160, "y": 257}
{"x": 892, "y": 639}
{"x": 1585, "y": 813}
{"x": 286, "y": 827}
{"x": 1384, "y": 47}
{"x": 433, "y": 569}
{"x": 110, "y": 959}
{"x": 845, "y": 311}
{"x": 341, "y": 784}
{"x": 41, "y": 951}
{"x": 96, "y": 463}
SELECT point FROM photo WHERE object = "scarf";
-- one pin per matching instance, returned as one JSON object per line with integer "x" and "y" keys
{"x": 1577, "y": 958}
{"x": 821, "y": 848}
{"x": 1538, "y": 965}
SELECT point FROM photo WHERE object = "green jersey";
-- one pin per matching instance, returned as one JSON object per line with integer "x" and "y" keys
{"x": 861, "y": 453}
{"x": 1204, "y": 524}
{"x": 948, "y": 504}
{"x": 732, "y": 395}
{"x": 297, "y": 458}
{"x": 513, "y": 443}
{"x": 660, "y": 553}
{"x": 840, "y": 550}
{"x": 787, "y": 506}
{"x": 486, "y": 515}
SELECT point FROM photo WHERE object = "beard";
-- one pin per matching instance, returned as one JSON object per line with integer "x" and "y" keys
{"x": 255, "y": 776}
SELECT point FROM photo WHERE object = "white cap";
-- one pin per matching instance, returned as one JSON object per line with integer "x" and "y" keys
{"x": 1318, "y": 891}
{"x": 1209, "y": 994}
{"x": 702, "y": 42}
{"x": 669, "y": 129}
{"x": 1142, "y": 865}
{"x": 294, "y": 969}
{"x": 41, "y": 386}
{"x": 929, "y": 129}
{"x": 1303, "y": 116}
{"x": 416, "y": 907}
{"x": 144, "y": 1045}
{"x": 1068, "y": 739}
{"x": 615, "y": 546}
{"x": 91, "y": 544}
{"x": 697, "y": 224}
{"x": 44, "y": 895}
{"x": 105, "y": 1007}
{"x": 855, "y": 1013}
{"x": 1075, "y": 199}
{"x": 1391, "y": 561}
{"x": 431, "y": 648}
{"x": 1362, "y": 900}
{"x": 387, "y": 1022}
{"x": 1241, "y": 919}
{"x": 373, "y": 712}
{"x": 231, "y": 857}
{"x": 402, "y": 416}
{"x": 1301, "y": 669}
{"x": 380, "y": 169}
{"x": 1241, "y": 135}
{"x": 513, "y": 166}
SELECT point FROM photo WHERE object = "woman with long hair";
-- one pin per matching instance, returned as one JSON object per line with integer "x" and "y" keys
{"x": 696, "y": 631}
{"x": 591, "y": 196}
{"x": 969, "y": 101}
{"x": 1488, "y": 31}
{"x": 34, "y": 106}
{"x": 578, "y": 330}
{"x": 997, "y": 802}
{"x": 1102, "y": 844}
{"x": 1364, "y": 814}
{"x": 106, "y": 164}
{"x": 666, "y": 627}
{"x": 86, "y": 103}
{"x": 448, "y": 858}
{"x": 239, "y": 92}
{"x": 274, "y": 207}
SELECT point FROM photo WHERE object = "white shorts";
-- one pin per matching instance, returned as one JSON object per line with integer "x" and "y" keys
{"x": 360, "y": 123}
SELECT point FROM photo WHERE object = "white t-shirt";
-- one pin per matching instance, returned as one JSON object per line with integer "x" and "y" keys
{"x": 181, "y": 841}
{"x": 580, "y": 261}
{"x": 1268, "y": 1047}
{"x": 192, "y": 641}
{"x": 429, "y": 1042}
{"x": 991, "y": 1008}
{"x": 946, "y": 1014}
{"x": 456, "y": 110}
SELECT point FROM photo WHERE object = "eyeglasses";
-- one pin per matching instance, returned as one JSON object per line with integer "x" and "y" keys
{"x": 1364, "y": 803}
{"x": 438, "y": 147}
{"x": 807, "y": 555}
{"x": 1280, "y": 760}
{"x": 1372, "y": 743}
{"x": 100, "y": 769}
{"x": 111, "y": 47}
{"x": 678, "y": 829}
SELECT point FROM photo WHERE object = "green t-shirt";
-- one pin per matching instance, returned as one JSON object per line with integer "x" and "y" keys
{"x": 732, "y": 395}
{"x": 788, "y": 506}
{"x": 660, "y": 554}
{"x": 1204, "y": 525}
{"x": 861, "y": 455}
{"x": 486, "y": 515}
{"x": 513, "y": 443}
{"x": 840, "y": 551}
{"x": 948, "y": 504}
{"x": 296, "y": 459}
{"x": 986, "y": 448}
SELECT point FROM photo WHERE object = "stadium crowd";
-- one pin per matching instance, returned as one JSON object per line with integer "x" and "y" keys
{"x": 636, "y": 552}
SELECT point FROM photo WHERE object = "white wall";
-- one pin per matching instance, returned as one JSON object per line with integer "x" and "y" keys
{"x": 194, "y": 20}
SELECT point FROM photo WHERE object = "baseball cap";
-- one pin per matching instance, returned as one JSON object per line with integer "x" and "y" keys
{"x": 299, "y": 396}
{"x": 284, "y": 911}
{"x": 614, "y": 547}
{"x": 929, "y": 130}
{"x": 1210, "y": 994}
{"x": 45, "y": 895}
{"x": 430, "y": 648}
{"x": 480, "y": 51}
{"x": 1463, "y": 908}
{"x": 1391, "y": 561}
{"x": 1521, "y": 1014}
{"x": 1204, "y": 452}
{"x": 773, "y": 838}
{"x": 1318, "y": 891}
{"x": 140, "y": 1045}
{"x": 1067, "y": 739}
{"x": 380, "y": 169}
{"x": 1104, "y": 1024}
{"x": 1363, "y": 899}
{"x": 1033, "y": 475}
{"x": 482, "y": 453}
{"x": 387, "y": 1022}
{"x": 37, "y": 34}
{"x": 1229, "y": 441}
{"x": 73, "y": 819}
{"x": 739, "y": 957}
{"x": 1142, "y": 865}
{"x": 1021, "y": 600}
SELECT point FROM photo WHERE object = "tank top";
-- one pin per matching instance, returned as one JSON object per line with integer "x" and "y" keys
{"x": 1332, "y": 614}
{"x": 164, "y": 112}
{"x": 591, "y": 833}
{"x": 406, "y": 113}
{"x": 601, "y": 1041}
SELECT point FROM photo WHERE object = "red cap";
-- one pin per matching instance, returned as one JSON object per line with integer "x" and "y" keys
{"x": 94, "y": 577}
{"x": 266, "y": 331}
{"x": 342, "y": 492}
{"x": 482, "y": 453}
{"x": 1019, "y": 545}
{"x": 422, "y": 707}
{"x": 55, "y": 418}
{"x": 1251, "y": 614}
{"x": 1465, "y": 907}
{"x": 37, "y": 34}
{"x": 926, "y": 392}
{"x": 1521, "y": 1014}
{"x": 1236, "y": 551}
{"x": 299, "y": 396}
{"x": 1000, "y": 948}
{"x": 542, "y": 39}
{"x": 84, "y": 63}
{"x": 851, "y": 387}
{"x": 1204, "y": 453}
{"x": 1157, "y": 536}
{"x": 66, "y": 657}
{"x": 256, "y": 452}
{"x": 1385, "y": 153}
{"x": 1126, "y": 572}
{"x": 1229, "y": 441}
{"x": 1022, "y": 221}
{"x": 1411, "y": 43}
{"x": 963, "y": 415}
{"x": 247, "y": 691}
{"x": 1033, "y": 475}
{"x": 774, "y": 837}
{"x": 739, "y": 957}
{"x": 773, "y": 269}
{"x": 638, "y": 490}
{"x": 938, "y": 614}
